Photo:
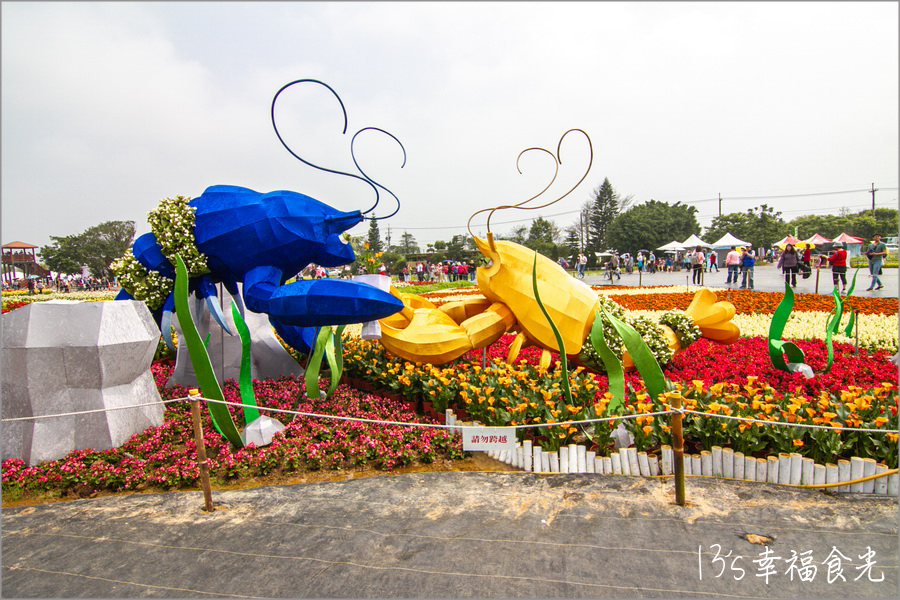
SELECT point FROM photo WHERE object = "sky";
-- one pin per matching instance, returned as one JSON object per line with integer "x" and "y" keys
{"x": 109, "y": 107}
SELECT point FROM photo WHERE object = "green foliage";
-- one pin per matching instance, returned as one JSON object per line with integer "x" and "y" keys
{"x": 861, "y": 224}
{"x": 542, "y": 237}
{"x": 374, "y": 236}
{"x": 96, "y": 247}
{"x": 605, "y": 209}
{"x": 408, "y": 244}
{"x": 652, "y": 224}
{"x": 761, "y": 226}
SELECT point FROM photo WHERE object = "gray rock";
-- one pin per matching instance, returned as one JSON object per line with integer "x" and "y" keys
{"x": 68, "y": 356}
{"x": 270, "y": 359}
{"x": 261, "y": 430}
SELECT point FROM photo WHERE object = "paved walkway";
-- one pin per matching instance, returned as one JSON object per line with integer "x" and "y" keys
{"x": 459, "y": 535}
{"x": 766, "y": 279}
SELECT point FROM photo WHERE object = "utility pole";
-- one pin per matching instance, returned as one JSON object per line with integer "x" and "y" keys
{"x": 581, "y": 230}
{"x": 720, "y": 204}
{"x": 388, "y": 249}
{"x": 873, "y": 190}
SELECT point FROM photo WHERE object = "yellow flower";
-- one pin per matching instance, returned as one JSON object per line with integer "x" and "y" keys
{"x": 798, "y": 443}
{"x": 648, "y": 429}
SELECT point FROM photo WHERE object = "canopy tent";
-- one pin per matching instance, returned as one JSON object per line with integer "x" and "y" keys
{"x": 852, "y": 244}
{"x": 847, "y": 239}
{"x": 817, "y": 240}
{"x": 796, "y": 243}
{"x": 727, "y": 241}
{"x": 693, "y": 242}
{"x": 671, "y": 246}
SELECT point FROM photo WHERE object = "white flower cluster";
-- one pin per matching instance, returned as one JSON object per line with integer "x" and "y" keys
{"x": 172, "y": 222}
{"x": 651, "y": 331}
{"x": 655, "y": 337}
{"x": 149, "y": 286}
{"x": 683, "y": 325}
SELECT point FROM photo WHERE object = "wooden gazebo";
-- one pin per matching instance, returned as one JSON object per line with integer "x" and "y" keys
{"x": 19, "y": 255}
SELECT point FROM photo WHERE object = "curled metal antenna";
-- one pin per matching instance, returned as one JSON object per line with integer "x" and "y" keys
{"x": 557, "y": 161}
{"x": 520, "y": 204}
{"x": 300, "y": 158}
{"x": 353, "y": 155}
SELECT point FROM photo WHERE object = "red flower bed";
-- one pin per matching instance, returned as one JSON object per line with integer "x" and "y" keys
{"x": 713, "y": 363}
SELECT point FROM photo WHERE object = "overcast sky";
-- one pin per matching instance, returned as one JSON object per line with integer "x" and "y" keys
{"x": 109, "y": 107}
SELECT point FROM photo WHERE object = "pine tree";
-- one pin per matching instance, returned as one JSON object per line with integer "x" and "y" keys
{"x": 605, "y": 209}
{"x": 374, "y": 238}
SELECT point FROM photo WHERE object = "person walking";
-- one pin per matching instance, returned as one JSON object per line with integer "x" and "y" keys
{"x": 748, "y": 261}
{"x": 713, "y": 261}
{"x": 838, "y": 260}
{"x": 876, "y": 254}
{"x": 580, "y": 265}
{"x": 789, "y": 263}
{"x": 733, "y": 264}
{"x": 697, "y": 261}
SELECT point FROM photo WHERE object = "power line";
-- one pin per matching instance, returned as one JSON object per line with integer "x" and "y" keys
{"x": 687, "y": 202}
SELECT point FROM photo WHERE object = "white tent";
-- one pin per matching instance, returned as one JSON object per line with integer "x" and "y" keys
{"x": 728, "y": 240}
{"x": 671, "y": 246}
{"x": 693, "y": 242}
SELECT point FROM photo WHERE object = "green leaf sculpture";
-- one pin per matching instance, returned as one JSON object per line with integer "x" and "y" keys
{"x": 315, "y": 363}
{"x": 614, "y": 369}
{"x": 777, "y": 347}
{"x": 248, "y": 396}
{"x": 647, "y": 365}
{"x": 206, "y": 376}
{"x": 559, "y": 341}
{"x": 335, "y": 359}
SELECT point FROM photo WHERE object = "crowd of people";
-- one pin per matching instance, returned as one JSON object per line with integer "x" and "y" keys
{"x": 447, "y": 270}
{"x": 61, "y": 283}
{"x": 740, "y": 263}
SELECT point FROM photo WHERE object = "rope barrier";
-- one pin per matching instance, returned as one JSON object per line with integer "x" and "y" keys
{"x": 437, "y": 425}
{"x": 87, "y": 412}
{"x": 694, "y": 412}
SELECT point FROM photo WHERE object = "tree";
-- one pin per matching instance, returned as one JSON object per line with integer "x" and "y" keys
{"x": 456, "y": 249}
{"x": 95, "y": 247}
{"x": 652, "y": 224}
{"x": 408, "y": 244}
{"x": 63, "y": 255}
{"x": 861, "y": 224}
{"x": 572, "y": 244}
{"x": 738, "y": 224}
{"x": 604, "y": 210}
{"x": 374, "y": 237}
{"x": 518, "y": 235}
{"x": 760, "y": 226}
{"x": 542, "y": 236}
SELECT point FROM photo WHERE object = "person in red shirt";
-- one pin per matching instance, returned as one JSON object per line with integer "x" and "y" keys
{"x": 838, "y": 260}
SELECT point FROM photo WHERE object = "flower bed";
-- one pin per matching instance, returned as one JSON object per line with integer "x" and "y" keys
{"x": 164, "y": 457}
{"x": 860, "y": 390}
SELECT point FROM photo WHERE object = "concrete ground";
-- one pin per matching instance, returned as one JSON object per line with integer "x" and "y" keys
{"x": 459, "y": 535}
{"x": 766, "y": 279}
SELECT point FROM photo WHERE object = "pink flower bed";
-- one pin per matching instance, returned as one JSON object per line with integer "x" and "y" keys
{"x": 164, "y": 456}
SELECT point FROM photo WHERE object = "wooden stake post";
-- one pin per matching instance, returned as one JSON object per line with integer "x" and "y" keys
{"x": 201, "y": 449}
{"x": 678, "y": 449}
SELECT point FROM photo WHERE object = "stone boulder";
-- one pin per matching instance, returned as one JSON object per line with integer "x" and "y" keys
{"x": 64, "y": 356}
